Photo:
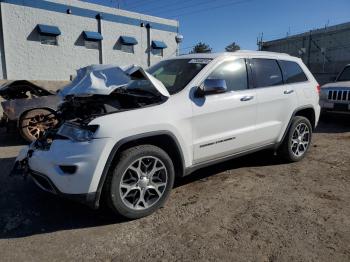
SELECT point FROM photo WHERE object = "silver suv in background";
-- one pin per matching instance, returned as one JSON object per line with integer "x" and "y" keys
{"x": 335, "y": 97}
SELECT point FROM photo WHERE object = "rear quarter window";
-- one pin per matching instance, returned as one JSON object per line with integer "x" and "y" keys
{"x": 266, "y": 72}
{"x": 292, "y": 72}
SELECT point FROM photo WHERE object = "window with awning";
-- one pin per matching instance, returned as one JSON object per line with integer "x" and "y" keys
{"x": 92, "y": 39}
{"x": 92, "y": 36}
{"x": 48, "y": 34}
{"x": 127, "y": 44}
{"x": 158, "y": 48}
{"x": 158, "y": 45}
{"x": 128, "y": 40}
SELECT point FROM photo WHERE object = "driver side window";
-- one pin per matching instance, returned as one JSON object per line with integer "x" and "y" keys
{"x": 234, "y": 73}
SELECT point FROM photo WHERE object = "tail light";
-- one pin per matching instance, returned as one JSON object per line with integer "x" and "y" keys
{"x": 318, "y": 87}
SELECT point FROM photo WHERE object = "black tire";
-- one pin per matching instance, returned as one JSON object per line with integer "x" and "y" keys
{"x": 285, "y": 150}
{"x": 34, "y": 123}
{"x": 113, "y": 182}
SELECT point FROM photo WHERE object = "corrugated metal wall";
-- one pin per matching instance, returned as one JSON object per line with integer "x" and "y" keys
{"x": 325, "y": 51}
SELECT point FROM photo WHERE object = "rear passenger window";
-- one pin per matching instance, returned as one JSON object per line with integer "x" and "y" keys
{"x": 266, "y": 72}
{"x": 234, "y": 73}
{"x": 292, "y": 72}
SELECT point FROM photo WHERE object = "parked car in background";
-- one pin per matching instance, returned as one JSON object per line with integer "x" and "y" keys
{"x": 126, "y": 141}
{"x": 335, "y": 97}
{"x": 28, "y": 108}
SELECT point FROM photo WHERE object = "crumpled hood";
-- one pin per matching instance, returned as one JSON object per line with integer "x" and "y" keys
{"x": 104, "y": 79}
{"x": 343, "y": 84}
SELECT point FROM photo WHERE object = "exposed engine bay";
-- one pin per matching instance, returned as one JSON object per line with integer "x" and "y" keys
{"x": 93, "y": 93}
{"x": 83, "y": 109}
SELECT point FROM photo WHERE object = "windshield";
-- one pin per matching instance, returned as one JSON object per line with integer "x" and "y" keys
{"x": 174, "y": 74}
{"x": 345, "y": 75}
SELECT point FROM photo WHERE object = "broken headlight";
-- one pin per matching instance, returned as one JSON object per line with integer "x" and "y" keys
{"x": 77, "y": 133}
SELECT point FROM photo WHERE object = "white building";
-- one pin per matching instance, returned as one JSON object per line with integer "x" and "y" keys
{"x": 50, "y": 39}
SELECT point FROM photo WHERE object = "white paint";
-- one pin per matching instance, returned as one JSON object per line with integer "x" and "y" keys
{"x": 230, "y": 125}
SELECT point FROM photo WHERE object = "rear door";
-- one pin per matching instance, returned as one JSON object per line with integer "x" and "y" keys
{"x": 276, "y": 101}
{"x": 224, "y": 123}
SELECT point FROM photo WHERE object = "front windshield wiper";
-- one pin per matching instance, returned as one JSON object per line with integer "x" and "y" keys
{"x": 137, "y": 90}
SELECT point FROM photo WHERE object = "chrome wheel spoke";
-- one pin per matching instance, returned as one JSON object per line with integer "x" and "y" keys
{"x": 142, "y": 203}
{"x": 157, "y": 166}
{"x": 158, "y": 188}
{"x": 127, "y": 188}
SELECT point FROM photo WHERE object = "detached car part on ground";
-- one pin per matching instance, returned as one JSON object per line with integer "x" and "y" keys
{"x": 125, "y": 135}
{"x": 335, "y": 97}
{"x": 28, "y": 108}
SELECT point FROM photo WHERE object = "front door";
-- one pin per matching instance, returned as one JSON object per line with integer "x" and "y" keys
{"x": 224, "y": 123}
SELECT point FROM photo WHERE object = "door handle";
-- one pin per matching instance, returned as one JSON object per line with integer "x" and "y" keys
{"x": 287, "y": 92}
{"x": 247, "y": 98}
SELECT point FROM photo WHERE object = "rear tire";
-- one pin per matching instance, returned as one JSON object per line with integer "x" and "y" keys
{"x": 34, "y": 123}
{"x": 297, "y": 141}
{"x": 140, "y": 182}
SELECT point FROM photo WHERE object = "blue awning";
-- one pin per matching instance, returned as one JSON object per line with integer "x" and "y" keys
{"x": 158, "y": 45}
{"x": 128, "y": 40}
{"x": 92, "y": 36}
{"x": 49, "y": 30}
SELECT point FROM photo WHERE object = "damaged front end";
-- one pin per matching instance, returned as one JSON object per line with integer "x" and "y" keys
{"x": 96, "y": 91}
{"x": 105, "y": 89}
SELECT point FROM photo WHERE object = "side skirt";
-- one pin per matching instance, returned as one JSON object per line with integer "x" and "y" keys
{"x": 193, "y": 168}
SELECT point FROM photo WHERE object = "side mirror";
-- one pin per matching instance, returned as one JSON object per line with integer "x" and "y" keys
{"x": 212, "y": 86}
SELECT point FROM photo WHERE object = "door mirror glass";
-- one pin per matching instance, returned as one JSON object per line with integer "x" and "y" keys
{"x": 212, "y": 86}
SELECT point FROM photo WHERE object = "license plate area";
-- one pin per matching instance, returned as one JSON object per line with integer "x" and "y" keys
{"x": 341, "y": 107}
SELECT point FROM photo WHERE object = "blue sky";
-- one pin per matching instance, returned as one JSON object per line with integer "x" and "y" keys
{"x": 220, "y": 22}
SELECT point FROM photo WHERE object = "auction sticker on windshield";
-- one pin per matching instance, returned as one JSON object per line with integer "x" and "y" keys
{"x": 200, "y": 61}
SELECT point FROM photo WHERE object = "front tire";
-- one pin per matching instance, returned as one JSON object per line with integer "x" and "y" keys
{"x": 298, "y": 140}
{"x": 141, "y": 181}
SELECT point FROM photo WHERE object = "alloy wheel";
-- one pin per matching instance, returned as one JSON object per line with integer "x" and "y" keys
{"x": 143, "y": 183}
{"x": 300, "y": 139}
{"x": 38, "y": 124}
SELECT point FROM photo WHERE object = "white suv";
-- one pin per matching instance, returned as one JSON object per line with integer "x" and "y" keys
{"x": 128, "y": 144}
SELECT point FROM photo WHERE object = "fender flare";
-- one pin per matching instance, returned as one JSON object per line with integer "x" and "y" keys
{"x": 122, "y": 142}
{"x": 278, "y": 144}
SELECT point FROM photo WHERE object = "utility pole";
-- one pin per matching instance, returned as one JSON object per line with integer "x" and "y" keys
{"x": 259, "y": 41}
{"x": 309, "y": 49}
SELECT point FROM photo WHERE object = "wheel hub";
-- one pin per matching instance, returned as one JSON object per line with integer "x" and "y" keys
{"x": 300, "y": 139}
{"x": 143, "y": 182}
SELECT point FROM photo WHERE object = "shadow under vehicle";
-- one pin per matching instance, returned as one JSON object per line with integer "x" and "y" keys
{"x": 28, "y": 108}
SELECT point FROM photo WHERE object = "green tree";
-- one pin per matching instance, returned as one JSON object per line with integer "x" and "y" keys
{"x": 201, "y": 48}
{"x": 232, "y": 47}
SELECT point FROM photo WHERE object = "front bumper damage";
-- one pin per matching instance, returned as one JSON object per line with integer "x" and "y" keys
{"x": 42, "y": 166}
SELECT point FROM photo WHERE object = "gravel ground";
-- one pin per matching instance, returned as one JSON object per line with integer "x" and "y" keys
{"x": 254, "y": 208}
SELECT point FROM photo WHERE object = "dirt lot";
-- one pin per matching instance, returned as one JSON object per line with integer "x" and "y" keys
{"x": 250, "y": 209}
